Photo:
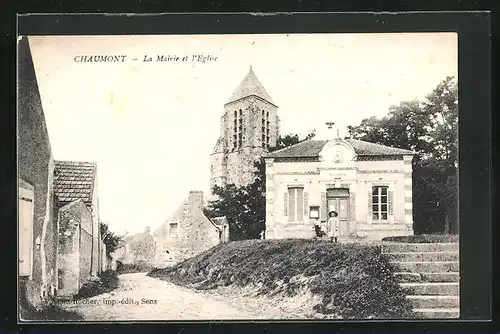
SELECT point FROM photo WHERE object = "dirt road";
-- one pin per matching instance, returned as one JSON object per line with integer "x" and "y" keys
{"x": 140, "y": 297}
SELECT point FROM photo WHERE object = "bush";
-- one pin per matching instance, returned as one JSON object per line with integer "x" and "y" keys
{"x": 425, "y": 238}
{"x": 51, "y": 313}
{"x": 129, "y": 268}
{"x": 105, "y": 282}
{"x": 352, "y": 280}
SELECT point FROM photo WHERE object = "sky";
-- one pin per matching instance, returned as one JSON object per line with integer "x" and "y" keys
{"x": 151, "y": 126}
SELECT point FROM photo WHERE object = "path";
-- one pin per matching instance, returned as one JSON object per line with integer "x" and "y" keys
{"x": 139, "y": 297}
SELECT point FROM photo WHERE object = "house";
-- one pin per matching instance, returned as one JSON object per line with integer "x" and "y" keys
{"x": 80, "y": 246}
{"x": 140, "y": 248}
{"x": 369, "y": 185}
{"x": 75, "y": 180}
{"x": 188, "y": 232}
{"x": 37, "y": 205}
{"x": 249, "y": 127}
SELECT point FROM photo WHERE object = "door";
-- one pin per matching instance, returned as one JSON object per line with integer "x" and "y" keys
{"x": 341, "y": 206}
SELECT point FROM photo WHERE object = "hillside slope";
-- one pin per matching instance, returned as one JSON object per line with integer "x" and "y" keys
{"x": 348, "y": 281}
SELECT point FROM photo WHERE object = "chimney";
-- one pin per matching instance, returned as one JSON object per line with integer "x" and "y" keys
{"x": 335, "y": 131}
{"x": 196, "y": 198}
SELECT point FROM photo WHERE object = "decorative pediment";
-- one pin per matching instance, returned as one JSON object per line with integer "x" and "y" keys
{"x": 337, "y": 153}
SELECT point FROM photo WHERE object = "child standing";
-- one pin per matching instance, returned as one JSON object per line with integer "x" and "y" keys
{"x": 333, "y": 226}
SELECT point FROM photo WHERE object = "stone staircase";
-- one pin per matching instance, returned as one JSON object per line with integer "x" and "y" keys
{"x": 430, "y": 275}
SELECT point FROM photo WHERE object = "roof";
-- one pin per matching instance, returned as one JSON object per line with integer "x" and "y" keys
{"x": 219, "y": 145}
{"x": 219, "y": 221}
{"x": 74, "y": 180}
{"x": 312, "y": 148}
{"x": 250, "y": 86}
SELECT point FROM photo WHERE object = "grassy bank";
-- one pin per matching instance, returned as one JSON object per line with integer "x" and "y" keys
{"x": 347, "y": 280}
{"x": 425, "y": 238}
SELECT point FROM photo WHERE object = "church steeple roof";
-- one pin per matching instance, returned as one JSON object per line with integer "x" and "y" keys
{"x": 249, "y": 86}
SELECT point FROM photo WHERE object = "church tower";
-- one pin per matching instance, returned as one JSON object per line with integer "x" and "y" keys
{"x": 249, "y": 127}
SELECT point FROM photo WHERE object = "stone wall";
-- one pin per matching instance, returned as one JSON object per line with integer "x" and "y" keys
{"x": 36, "y": 166}
{"x": 96, "y": 231}
{"x": 75, "y": 247}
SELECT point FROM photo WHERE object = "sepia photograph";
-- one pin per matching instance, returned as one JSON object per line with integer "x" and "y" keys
{"x": 238, "y": 177}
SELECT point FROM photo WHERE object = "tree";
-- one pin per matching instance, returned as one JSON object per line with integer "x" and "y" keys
{"x": 110, "y": 239}
{"x": 245, "y": 206}
{"x": 431, "y": 129}
{"x": 290, "y": 139}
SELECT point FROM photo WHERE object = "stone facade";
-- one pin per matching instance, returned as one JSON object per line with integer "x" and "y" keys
{"x": 75, "y": 248}
{"x": 140, "y": 248}
{"x": 38, "y": 222}
{"x": 249, "y": 126}
{"x": 368, "y": 184}
{"x": 188, "y": 232}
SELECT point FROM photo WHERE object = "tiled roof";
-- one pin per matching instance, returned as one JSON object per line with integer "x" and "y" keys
{"x": 312, "y": 148}
{"x": 249, "y": 86}
{"x": 366, "y": 148}
{"x": 74, "y": 180}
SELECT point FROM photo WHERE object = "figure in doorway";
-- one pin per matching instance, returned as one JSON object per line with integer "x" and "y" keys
{"x": 333, "y": 226}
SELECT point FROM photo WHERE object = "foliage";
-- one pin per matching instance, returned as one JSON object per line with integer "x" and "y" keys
{"x": 107, "y": 281}
{"x": 431, "y": 129}
{"x": 350, "y": 280}
{"x": 110, "y": 239}
{"x": 245, "y": 206}
{"x": 290, "y": 139}
{"x": 52, "y": 312}
{"x": 424, "y": 238}
{"x": 137, "y": 267}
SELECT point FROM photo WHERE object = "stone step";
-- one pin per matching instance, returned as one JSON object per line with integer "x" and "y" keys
{"x": 443, "y": 289}
{"x": 426, "y": 267}
{"x": 427, "y": 277}
{"x": 419, "y": 301}
{"x": 422, "y": 256}
{"x": 426, "y": 247}
{"x": 437, "y": 313}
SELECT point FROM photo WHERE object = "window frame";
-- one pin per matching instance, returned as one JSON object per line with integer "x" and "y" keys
{"x": 298, "y": 212}
{"x": 172, "y": 234}
{"x": 381, "y": 200}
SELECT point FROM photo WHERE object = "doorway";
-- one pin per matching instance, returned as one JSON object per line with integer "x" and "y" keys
{"x": 338, "y": 200}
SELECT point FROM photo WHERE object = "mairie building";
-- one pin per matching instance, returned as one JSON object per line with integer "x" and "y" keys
{"x": 369, "y": 185}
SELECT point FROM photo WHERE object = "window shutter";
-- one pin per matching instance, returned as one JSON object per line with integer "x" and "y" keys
{"x": 390, "y": 201}
{"x": 306, "y": 204}
{"x": 285, "y": 203}
{"x": 324, "y": 207}
{"x": 370, "y": 204}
